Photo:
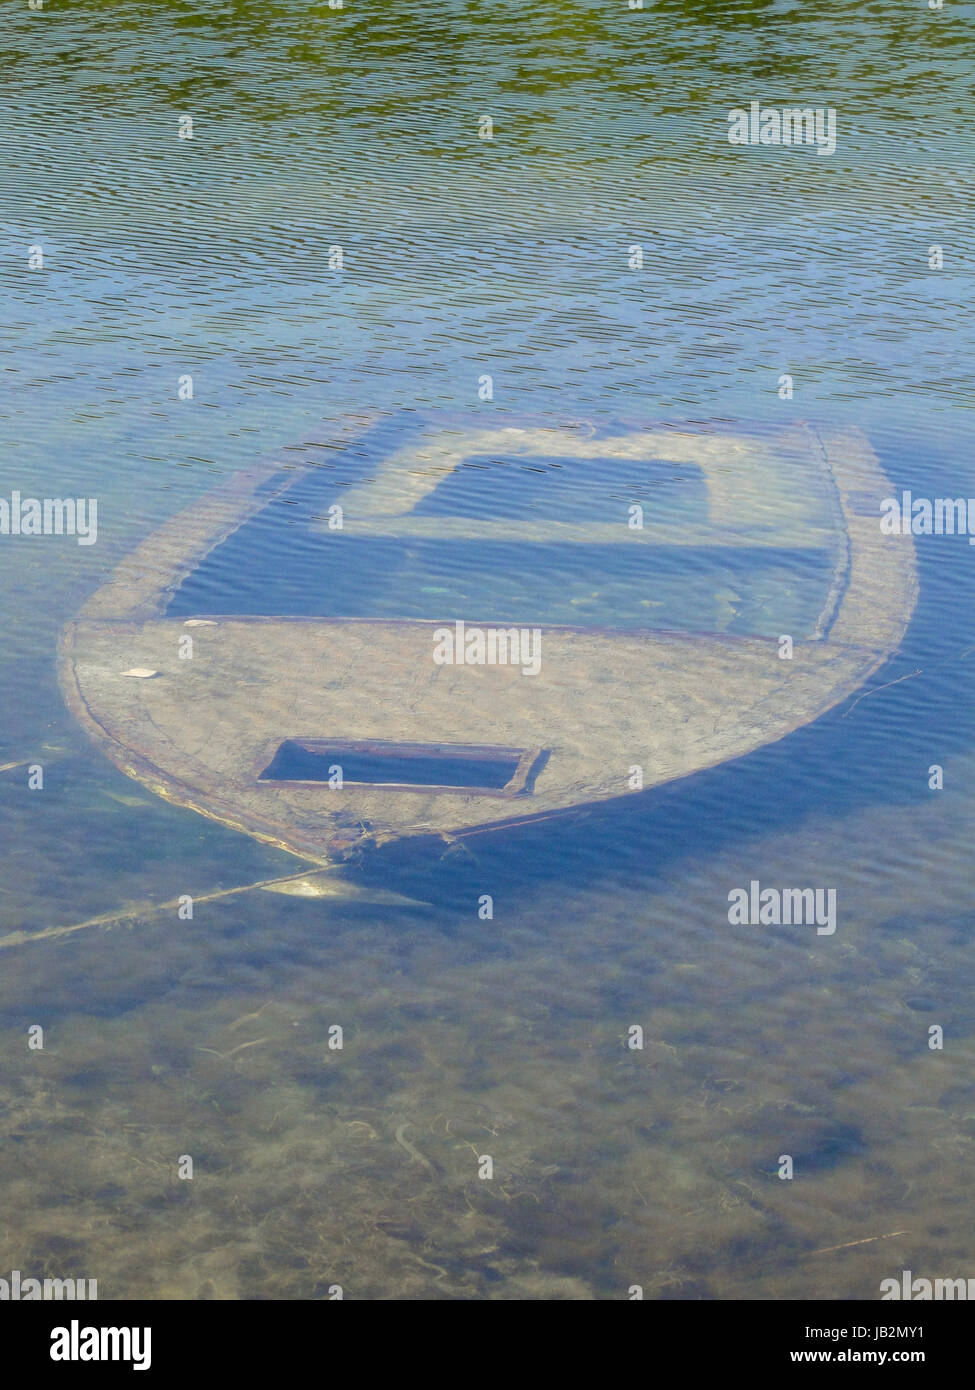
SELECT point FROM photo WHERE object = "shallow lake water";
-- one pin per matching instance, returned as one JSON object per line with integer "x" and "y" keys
{"x": 210, "y": 257}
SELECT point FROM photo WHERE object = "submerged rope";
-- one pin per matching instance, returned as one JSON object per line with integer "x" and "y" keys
{"x": 20, "y": 938}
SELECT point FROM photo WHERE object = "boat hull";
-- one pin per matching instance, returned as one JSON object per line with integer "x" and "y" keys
{"x": 607, "y": 714}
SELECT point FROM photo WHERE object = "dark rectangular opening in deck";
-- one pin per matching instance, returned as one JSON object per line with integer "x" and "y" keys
{"x": 475, "y": 768}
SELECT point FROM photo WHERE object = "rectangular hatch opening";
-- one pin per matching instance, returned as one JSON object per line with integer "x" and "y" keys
{"x": 477, "y": 769}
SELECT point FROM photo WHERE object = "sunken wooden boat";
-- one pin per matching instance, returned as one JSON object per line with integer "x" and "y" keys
{"x": 325, "y": 732}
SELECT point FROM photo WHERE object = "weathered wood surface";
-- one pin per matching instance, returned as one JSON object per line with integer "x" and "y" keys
{"x": 201, "y": 731}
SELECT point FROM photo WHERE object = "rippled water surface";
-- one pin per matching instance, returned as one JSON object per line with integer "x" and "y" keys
{"x": 214, "y": 258}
